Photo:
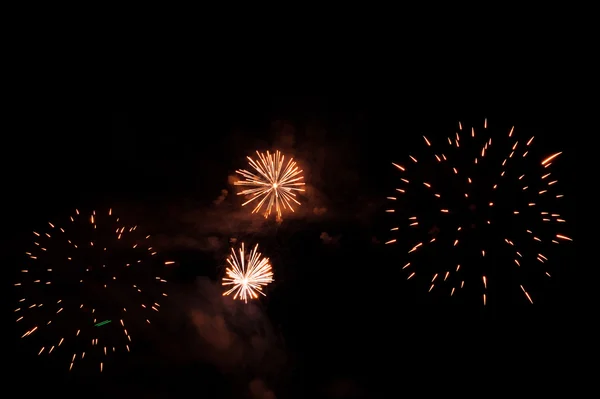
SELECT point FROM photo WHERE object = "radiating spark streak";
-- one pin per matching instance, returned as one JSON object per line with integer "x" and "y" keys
{"x": 527, "y": 294}
{"x": 274, "y": 184}
{"x": 560, "y": 236}
{"x": 399, "y": 167}
{"x": 550, "y": 158}
{"x": 415, "y": 247}
{"x": 247, "y": 274}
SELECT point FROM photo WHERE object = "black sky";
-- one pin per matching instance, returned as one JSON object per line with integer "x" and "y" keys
{"x": 340, "y": 319}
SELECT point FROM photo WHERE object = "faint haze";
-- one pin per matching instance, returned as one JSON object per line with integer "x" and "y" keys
{"x": 332, "y": 192}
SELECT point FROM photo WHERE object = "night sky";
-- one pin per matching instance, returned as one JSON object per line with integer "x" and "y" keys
{"x": 340, "y": 320}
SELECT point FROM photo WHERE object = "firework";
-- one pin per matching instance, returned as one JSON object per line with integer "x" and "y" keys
{"x": 88, "y": 284}
{"x": 273, "y": 185}
{"x": 487, "y": 212}
{"x": 248, "y": 274}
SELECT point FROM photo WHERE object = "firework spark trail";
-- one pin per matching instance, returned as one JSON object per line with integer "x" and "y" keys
{"x": 73, "y": 267}
{"x": 273, "y": 185}
{"x": 466, "y": 177}
{"x": 247, "y": 275}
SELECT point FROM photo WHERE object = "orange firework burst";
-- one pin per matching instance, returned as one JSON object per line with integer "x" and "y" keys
{"x": 273, "y": 185}
{"x": 248, "y": 274}
{"x": 89, "y": 283}
{"x": 471, "y": 209}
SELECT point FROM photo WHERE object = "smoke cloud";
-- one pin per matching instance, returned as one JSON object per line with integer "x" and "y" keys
{"x": 330, "y": 179}
{"x": 329, "y": 240}
{"x": 236, "y": 337}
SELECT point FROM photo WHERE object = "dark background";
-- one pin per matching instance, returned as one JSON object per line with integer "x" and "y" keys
{"x": 340, "y": 314}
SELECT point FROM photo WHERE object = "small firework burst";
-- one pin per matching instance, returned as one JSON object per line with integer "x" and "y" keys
{"x": 273, "y": 185}
{"x": 248, "y": 274}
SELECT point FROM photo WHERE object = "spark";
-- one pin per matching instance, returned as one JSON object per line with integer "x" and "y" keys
{"x": 272, "y": 185}
{"x": 248, "y": 274}
{"x": 464, "y": 172}
{"x": 550, "y": 158}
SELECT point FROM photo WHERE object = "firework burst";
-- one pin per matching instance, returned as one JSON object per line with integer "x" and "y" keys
{"x": 484, "y": 212}
{"x": 273, "y": 185}
{"x": 248, "y": 274}
{"x": 89, "y": 282}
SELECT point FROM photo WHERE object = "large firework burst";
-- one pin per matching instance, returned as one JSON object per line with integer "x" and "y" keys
{"x": 477, "y": 212}
{"x": 273, "y": 185}
{"x": 89, "y": 282}
{"x": 248, "y": 274}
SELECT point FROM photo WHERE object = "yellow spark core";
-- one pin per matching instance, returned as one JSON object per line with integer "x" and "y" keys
{"x": 273, "y": 184}
{"x": 248, "y": 274}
